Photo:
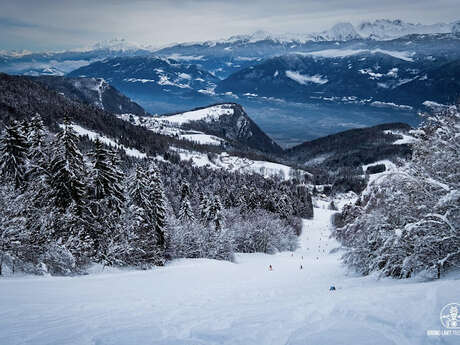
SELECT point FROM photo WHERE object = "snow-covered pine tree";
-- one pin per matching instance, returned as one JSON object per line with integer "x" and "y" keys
{"x": 67, "y": 192}
{"x": 408, "y": 221}
{"x": 38, "y": 151}
{"x": 147, "y": 210}
{"x": 185, "y": 214}
{"x": 14, "y": 149}
{"x": 67, "y": 170}
{"x": 158, "y": 202}
{"x": 25, "y": 126}
{"x": 105, "y": 201}
{"x": 107, "y": 177}
{"x": 204, "y": 208}
{"x": 215, "y": 214}
{"x": 283, "y": 206}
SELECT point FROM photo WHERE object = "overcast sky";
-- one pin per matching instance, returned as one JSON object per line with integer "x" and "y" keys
{"x": 63, "y": 24}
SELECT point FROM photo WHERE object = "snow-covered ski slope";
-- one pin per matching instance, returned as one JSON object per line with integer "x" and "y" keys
{"x": 212, "y": 302}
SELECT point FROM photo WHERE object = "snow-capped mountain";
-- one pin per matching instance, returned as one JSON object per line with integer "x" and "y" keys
{"x": 225, "y": 56}
{"x": 339, "y": 32}
{"x": 384, "y": 29}
{"x": 381, "y": 29}
{"x": 117, "y": 44}
{"x": 62, "y": 62}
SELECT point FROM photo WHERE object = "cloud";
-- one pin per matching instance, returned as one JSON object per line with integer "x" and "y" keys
{"x": 44, "y": 24}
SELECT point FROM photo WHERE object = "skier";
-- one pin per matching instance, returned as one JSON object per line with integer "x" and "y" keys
{"x": 301, "y": 267}
{"x": 332, "y": 288}
{"x": 270, "y": 268}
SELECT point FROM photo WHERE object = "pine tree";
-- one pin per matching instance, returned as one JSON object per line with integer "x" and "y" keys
{"x": 25, "y": 127}
{"x": 107, "y": 177}
{"x": 38, "y": 152}
{"x": 14, "y": 148}
{"x": 148, "y": 212}
{"x": 284, "y": 208}
{"x": 204, "y": 208}
{"x": 158, "y": 202}
{"x": 185, "y": 214}
{"x": 67, "y": 170}
{"x": 139, "y": 189}
{"x": 106, "y": 202}
{"x": 214, "y": 215}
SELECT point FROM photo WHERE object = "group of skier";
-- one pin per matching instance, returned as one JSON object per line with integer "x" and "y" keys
{"x": 331, "y": 288}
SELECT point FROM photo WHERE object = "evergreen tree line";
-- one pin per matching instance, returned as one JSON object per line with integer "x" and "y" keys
{"x": 61, "y": 209}
{"x": 407, "y": 222}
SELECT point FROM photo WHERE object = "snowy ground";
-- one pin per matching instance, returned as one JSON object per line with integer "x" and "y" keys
{"x": 234, "y": 163}
{"x": 211, "y": 302}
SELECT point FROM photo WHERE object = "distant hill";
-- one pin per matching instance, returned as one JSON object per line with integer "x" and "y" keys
{"x": 152, "y": 78}
{"x": 219, "y": 124}
{"x": 355, "y": 147}
{"x": 94, "y": 91}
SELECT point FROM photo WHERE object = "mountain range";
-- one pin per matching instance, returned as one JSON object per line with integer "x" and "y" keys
{"x": 296, "y": 87}
{"x": 220, "y": 128}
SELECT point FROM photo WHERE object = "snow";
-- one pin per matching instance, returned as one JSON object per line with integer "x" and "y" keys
{"x": 389, "y": 167}
{"x": 234, "y": 163}
{"x": 202, "y": 138}
{"x": 161, "y": 126}
{"x": 340, "y": 53}
{"x": 341, "y": 32}
{"x": 107, "y": 141}
{"x": 164, "y": 80}
{"x": 304, "y": 79}
{"x": 209, "y": 91}
{"x": 391, "y": 105}
{"x": 384, "y": 29}
{"x": 117, "y": 44}
{"x": 207, "y": 114}
{"x": 184, "y": 76}
{"x": 180, "y": 57}
{"x": 373, "y": 75}
{"x": 402, "y": 55}
{"x": 138, "y": 80}
{"x": 201, "y": 301}
{"x": 406, "y": 139}
{"x": 434, "y": 105}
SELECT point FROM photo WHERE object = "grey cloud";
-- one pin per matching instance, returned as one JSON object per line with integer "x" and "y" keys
{"x": 62, "y": 24}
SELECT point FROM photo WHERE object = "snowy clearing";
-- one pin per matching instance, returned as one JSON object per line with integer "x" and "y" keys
{"x": 158, "y": 125}
{"x": 234, "y": 163}
{"x": 204, "y": 301}
{"x": 405, "y": 138}
{"x": 207, "y": 114}
{"x": 107, "y": 141}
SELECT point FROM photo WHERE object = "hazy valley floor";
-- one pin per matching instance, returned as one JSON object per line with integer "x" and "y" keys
{"x": 212, "y": 302}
